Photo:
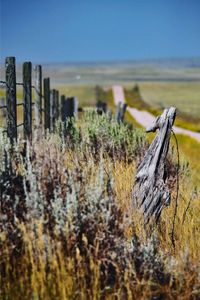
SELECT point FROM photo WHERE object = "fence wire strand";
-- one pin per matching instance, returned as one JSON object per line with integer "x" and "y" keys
{"x": 21, "y": 84}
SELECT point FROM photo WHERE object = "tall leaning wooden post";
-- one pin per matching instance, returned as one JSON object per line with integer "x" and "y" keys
{"x": 38, "y": 95}
{"x": 27, "y": 95}
{"x": 150, "y": 192}
{"x": 47, "y": 103}
{"x": 11, "y": 98}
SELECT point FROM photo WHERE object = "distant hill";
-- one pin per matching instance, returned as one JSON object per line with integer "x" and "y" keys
{"x": 121, "y": 72}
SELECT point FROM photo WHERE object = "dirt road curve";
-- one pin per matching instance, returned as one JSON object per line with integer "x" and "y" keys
{"x": 145, "y": 118}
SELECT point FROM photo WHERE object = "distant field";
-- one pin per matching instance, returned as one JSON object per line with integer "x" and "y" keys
{"x": 184, "y": 95}
{"x": 85, "y": 94}
{"x": 162, "y": 82}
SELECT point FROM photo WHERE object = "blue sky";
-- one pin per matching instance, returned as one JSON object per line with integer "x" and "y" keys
{"x": 99, "y": 30}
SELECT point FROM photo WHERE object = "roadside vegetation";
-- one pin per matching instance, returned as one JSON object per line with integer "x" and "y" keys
{"x": 67, "y": 227}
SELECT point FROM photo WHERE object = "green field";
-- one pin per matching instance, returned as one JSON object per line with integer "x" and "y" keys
{"x": 84, "y": 93}
{"x": 162, "y": 82}
{"x": 184, "y": 95}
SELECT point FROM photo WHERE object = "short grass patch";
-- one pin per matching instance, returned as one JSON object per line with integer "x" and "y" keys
{"x": 135, "y": 99}
{"x": 184, "y": 95}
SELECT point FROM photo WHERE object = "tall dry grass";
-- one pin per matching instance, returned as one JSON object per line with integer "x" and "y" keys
{"x": 68, "y": 230}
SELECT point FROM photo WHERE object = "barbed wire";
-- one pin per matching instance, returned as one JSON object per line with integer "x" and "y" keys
{"x": 21, "y": 84}
{"x": 4, "y": 83}
{"x": 42, "y": 96}
{"x": 21, "y": 124}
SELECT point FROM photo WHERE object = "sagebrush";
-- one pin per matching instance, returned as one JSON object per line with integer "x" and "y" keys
{"x": 68, "y": 230}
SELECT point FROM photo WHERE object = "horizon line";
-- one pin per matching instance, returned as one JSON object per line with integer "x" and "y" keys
{"x": 110, "y": 61}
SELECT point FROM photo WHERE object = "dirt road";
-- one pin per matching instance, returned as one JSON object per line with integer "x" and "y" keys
{"x": 145, "y": 118}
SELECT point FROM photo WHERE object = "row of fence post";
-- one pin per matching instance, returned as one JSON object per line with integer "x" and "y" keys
{"x": 120, "y": 110}
{"x": 47, "y": 101}
{"x": 49, "y": 106}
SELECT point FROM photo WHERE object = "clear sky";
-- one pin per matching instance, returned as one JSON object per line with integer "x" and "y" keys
{"x": 99, "y": 30}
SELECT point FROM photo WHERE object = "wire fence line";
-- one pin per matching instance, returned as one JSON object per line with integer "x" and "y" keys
{"x": 19, "y": 84}
{"x": 17, "y": 104}
{"x": 48, "y": 104}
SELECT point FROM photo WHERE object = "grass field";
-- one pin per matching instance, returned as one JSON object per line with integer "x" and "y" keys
{"x": 161, "y": 82}
{"x": 84, "y": 93}
{"x": 184, "y": 95}
{"x": 185, "y": 120}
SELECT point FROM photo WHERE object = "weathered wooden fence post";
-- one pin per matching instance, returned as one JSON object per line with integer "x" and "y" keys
{"x": 27, "y": 95}
{"x": 101, "y": 107}
{"x": 109, "y": 114}
{"x": 150, "y": 192}
{"x": 11, "y": 98}
{"x": 62, "y": 110}
{"x": 70, "y": 107}
{"x": 38, "y": 95}
{"x": 3, "y": 107}
{"x": 57, "y": 113}
{"x": 63, "y": 114}
{"x": 47, "y": 103}
{"x": 52, "y": 108}
{"x": 75, "y": 107}
{"x": 118, "y": 112}
{"x": 123, "y": 110}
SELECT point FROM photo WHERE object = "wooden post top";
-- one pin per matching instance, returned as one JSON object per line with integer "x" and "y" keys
{"x": 169, "y": 115}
